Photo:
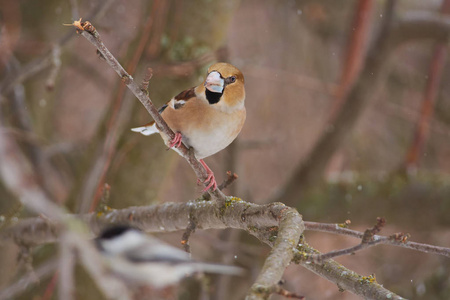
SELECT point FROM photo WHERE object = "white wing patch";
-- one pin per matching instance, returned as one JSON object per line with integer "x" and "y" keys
{"x": 177, "y": 104}
{"x": 146, "y": 130}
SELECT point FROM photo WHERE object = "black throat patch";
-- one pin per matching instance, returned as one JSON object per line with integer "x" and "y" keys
{"x": 212, "y": 97}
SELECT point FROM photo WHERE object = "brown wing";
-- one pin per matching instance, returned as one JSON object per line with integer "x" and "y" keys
{"x": 186, "y": 95}
{"x": 180, "y": 100}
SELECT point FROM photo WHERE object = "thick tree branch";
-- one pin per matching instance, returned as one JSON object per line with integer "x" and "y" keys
{"x": 262, "y": 221}
{"x": 287, "y": 239}
{"x": 345, "y": 279}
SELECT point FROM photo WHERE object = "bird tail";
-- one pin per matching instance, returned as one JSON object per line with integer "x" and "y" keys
{"x": 220, "y": 269}
{"x": 147, "y": 129}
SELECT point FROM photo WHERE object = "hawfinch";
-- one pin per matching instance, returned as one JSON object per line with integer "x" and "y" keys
{"x": 207, "y": 117}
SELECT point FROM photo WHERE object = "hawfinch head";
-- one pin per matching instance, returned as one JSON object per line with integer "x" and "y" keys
{"x": 224, "y": 86}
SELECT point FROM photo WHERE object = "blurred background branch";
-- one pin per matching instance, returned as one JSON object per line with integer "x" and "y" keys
{"x": 413, "y": 28}
{"x": 428, "y": 105}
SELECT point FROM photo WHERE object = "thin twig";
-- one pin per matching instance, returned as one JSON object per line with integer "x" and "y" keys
{"x": 231, "y": 177}
{"x": 23, "y": 181}
{"x": 25, "y": 259}
{"x": 44, "y": 270}
{"x": 369, "y": 233}
{"x": 19, "y": 177}
{"x": 50, "y": 287}
{"x": 45, "y": 171}
{"x": 43, "y": 62}
{"x": 12, "y": 82}
{"x": 95, "y": 177}
{"x": 146, "y": 81}
{"x": 88, "y": 31}
{"x": 320, "y": 258}
{"x": 56, "y": 66}
{"x": 190, "y": 229}
{"x": 391, "y": 240}
{"x": 277, "y": 289}
{"x": 97, "y": 174}
{"x": 103, "y": 205}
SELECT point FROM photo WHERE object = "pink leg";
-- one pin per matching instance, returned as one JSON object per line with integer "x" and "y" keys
{"x": 176, "y": 142}
{"x": 211, "y": 179}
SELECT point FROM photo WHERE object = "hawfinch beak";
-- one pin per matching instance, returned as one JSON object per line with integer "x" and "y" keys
{"x": 214, "y": 83}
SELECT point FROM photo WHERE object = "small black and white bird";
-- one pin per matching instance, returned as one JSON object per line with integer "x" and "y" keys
{"x": 141, "y": 259}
